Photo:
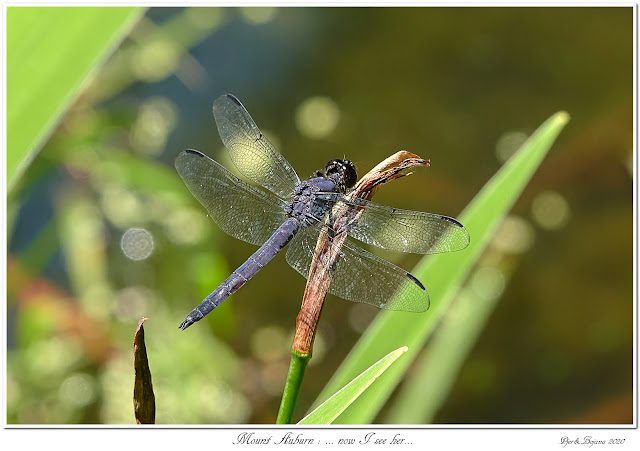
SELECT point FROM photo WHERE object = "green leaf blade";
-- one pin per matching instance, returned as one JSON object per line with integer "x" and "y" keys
{"x": 51, "y": 53}
{"x": 444, "y": 274}
{"x": 328, "y": 411}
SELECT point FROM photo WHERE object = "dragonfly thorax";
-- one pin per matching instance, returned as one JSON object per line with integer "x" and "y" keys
{"x": 305, "y": 205}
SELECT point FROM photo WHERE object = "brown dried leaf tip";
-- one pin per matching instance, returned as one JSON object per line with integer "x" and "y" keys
{"x": 396, "y": 166}
{"x": 144, "y": 401}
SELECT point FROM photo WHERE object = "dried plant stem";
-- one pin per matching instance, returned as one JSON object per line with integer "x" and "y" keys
{"x": 326, "y": 252}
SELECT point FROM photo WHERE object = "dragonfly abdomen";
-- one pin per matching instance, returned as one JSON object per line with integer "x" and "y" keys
{"x": 244, "y": 272}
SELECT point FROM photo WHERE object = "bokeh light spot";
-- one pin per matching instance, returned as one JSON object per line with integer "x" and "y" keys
{"x": 51, "y": 358}
{"x": 269, "y": 343}
{"x": 132, "y": 303}
{"x": 155, "y": 60}
{"x": 205, "y": 18}
{"x": 550, "y": 210}
{"x": 156, "y": 119}
{"x": 258, "y": 16}
{"x": 187, "y": 226}
{"x": 107, "y": 174}
{"x": 137, "y": 244}
{"x": 77, "y": 390}
{"x": 317, "y": 117}
{"x": 98, "y": 299}
{"x": 487, "y": 282}
{"x": 508, "y": 143}
{"x": 515, "y": 235}
{"x": 121, "y": 206}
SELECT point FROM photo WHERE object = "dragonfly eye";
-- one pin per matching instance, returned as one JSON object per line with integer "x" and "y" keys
{"x": 350, "y": 174}
{"x": 345, "y": 169}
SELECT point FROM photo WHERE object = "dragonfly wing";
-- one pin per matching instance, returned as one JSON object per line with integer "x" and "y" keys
{"x": 251, "y": 152}
{"x": 241, "y": 210}
{"x": 400, "y": 230}
{"x": 361, "y": 276}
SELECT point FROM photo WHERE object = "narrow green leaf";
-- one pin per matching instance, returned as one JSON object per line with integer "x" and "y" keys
{"x": 443, "y": 274}
{"x": 51, "y": 53}
{"x": 334, "y": 406}
{"x": 425, "y": 390}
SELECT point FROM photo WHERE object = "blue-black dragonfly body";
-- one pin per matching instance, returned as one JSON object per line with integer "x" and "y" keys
{"x": 295, "y": 212}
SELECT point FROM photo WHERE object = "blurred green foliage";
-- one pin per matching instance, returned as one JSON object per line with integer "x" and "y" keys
{"x": 461, "y": 86}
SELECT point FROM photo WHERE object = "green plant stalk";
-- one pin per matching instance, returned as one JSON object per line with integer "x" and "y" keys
{"x": 297, "y": 367}
{"x": 444, "y": 274}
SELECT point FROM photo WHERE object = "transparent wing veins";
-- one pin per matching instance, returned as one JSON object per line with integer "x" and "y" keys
{"x": 400, "y": 230}
{"x": 361, "y": 276}
{"x": 239, "y": 209}
{"x": 251, "y": 152}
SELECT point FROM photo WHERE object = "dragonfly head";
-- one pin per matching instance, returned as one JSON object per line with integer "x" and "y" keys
{"x": 343, "y": 170}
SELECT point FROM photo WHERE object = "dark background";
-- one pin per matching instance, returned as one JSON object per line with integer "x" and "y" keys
{"x": 459, "y": 86}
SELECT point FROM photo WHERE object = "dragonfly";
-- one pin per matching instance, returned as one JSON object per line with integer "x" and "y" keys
{"x": 283, "y": 210}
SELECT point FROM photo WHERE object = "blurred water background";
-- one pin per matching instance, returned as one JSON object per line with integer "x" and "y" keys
{"x": 101, "y": 230}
